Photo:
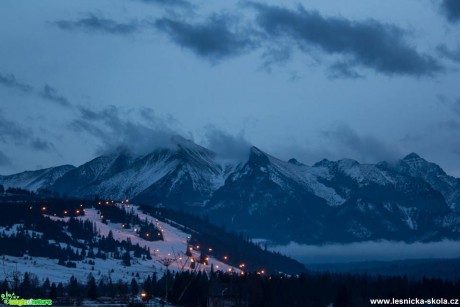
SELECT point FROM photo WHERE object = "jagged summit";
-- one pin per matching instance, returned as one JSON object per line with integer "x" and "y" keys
{"x": 323, "y": 162}
{"x": 412, "y": 156}
{"x": 258, "y": 157}
{"x": 267, "y": 197}
{"x": 295, "y": 161}
{"x": 34, "y": 180}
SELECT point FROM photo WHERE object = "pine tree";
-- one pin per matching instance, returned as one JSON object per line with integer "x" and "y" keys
{"x": 134, "y": 287}
{"x": 25, "y": 286}
{"x": 73, "y": 287}
{"x": 147, "y": 284}
{"x": 126, "y": 259}
{"x": 92, "y": 288}
{"x": 53, "y": 292}
{"x": 46, "y": 286}
{"x": 4, "y": 286}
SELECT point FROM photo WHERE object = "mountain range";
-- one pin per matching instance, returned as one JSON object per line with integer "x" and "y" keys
{"x": 264, "y": 197}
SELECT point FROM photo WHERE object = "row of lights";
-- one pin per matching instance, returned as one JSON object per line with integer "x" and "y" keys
{"x": 65, "y": 211}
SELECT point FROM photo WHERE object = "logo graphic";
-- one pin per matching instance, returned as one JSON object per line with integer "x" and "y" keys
{"x": 12, "y": 299}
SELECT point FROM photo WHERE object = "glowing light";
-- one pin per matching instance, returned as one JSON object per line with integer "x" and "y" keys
{"x": 65, "y": 212}
{"x": 107, "y": 202}
{"x": 192, "y": 260}
{"x": 159, "y": 234}
{"x": 44, "y": 208}
{"x": 143, "y": 294}
{"x": 77, "y": 211}
{"x": 225, "y": 257}
{"x": 197, "y": 247}
{"x": 217, "y": 266}
{"x": 210, "y": 249}
{"x": 191, "y": 248}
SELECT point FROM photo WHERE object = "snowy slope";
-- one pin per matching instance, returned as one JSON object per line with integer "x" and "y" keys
{"x": 333, "y": 201}
{"x": 171, "y": 249}
{"x": 34, "y": 180}
{"x": 164, "y": 172}
{"x": 418, "y": 167}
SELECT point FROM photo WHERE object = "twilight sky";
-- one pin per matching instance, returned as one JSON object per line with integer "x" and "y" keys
{"x": 369, "y": 80}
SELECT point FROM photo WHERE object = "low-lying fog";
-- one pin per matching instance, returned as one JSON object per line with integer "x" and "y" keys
{"x": 369, "y": 251}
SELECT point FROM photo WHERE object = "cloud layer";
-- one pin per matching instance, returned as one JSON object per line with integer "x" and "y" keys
{"x": 13, "y": 133}
{"x": 371, "y": 44}
{"x": 369, "y": 251}
{"x": 451, "y": 9}
{"x": 9, "y": 80}
{"x": 112, "y": 127}
{"x": 213, "y": 39}
{"x": 227, "y": 145}
{"x": 4, "y": 160}
{"x": 94, "y": 23}
{"x": 47, "y": 92}
{"x": 366, "y": 148}
{"x": 381, "y": 47}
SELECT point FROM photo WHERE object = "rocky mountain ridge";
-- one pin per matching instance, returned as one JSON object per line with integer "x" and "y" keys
{"x": 332, "y": 201}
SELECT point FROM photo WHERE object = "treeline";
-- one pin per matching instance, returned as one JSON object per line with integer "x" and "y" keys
{"x": 196, "y": 289}
{"x": 28, "y": 231}
{"x": 226, "y": 246}
{"x": 21, "y": 191}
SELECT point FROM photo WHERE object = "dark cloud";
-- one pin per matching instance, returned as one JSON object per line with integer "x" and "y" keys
{"x": 116, "y": 132}
{"x": 343, "y": 70}
{"x": 13, "y": 133}
{"x": 171, "y": 3}
{"x": 451, "y": 9}
{"x": 47, "y": 92}
{"x": 51, "y": 94}
{"x": 365, "y": 148}
{"x": 147, "y": 114}
{"x": 4, "y": 160}
{"x": 456, "y": 106}
{"x": 9, "y": 80}
{"x": 453, "y": 55}
{"x": 275, "y": 55}
{"x": 227, "y": 145}
{"x": 40, "y": 144}
{"x": 213, "y": 39}
{"x": 95, "y": 23}
{"x": 371, "y": 44}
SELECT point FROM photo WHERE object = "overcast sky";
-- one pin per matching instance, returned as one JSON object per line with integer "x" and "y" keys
{"x": 369, "y": 80}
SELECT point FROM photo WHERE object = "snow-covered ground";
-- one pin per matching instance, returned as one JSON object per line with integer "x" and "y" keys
{"x": 170, "y": 251}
